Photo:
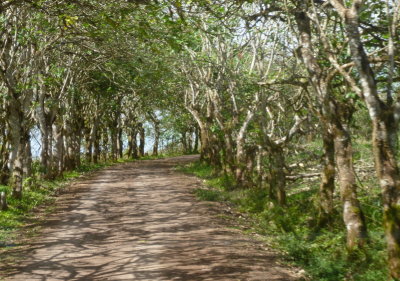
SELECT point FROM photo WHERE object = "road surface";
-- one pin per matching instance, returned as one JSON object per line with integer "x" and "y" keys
{"x": 141, "y": 221}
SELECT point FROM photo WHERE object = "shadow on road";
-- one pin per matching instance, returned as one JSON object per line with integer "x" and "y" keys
{"x": 140, "y": 221}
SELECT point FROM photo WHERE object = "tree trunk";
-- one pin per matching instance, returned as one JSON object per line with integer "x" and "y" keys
{"x": 130, "y": 146}
{"x": 120, "y": 144}
{"x": 388, "y": 174}
{"x": 4, "y": 171}
{"x": 44, "y": 154}
{"x": 18, "y": 146}
{"x": 327, "y": 185}
{"x": 45, "y": 127}
{"x": 190, "y": 141}
{"x": 382, "y": 117}
{"x": 134, "y": 145}
{"x": 77, "y": 148}
{"x": 184, "y": 142}
{"x": 27, "y": 167}
{"x": 95, "y": 145}
{"x": 69, "y": 158}
{"x": 156, "y": 137}
{"x": 18, "y": 170}
{"x": 240, "y": 149}
{"x": 276, "y": 175}
{"x": 105, "y": 139}
{"x": 196, "y": 141}
{"x": 142, "y": 140}
{"x": 3, "y": 201}
{"x": 58, "y": 154}
{"x": 88, "y": 145}
{"x": 353, "y": 216}
{"x": 96, "y": 150}
{"x": 205, "y": 138}
{"x": 114, "y": 143}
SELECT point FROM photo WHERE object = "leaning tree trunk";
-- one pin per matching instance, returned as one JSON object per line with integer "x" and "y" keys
{"x": 352, "y": 215}
{"x": 204, "y": 135}
{"x": 382, "y": 117}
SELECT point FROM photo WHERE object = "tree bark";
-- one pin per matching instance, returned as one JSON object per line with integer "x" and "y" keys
{"x": 105, "y": 140}
{"x": 327, "y": 185}
{"x": 184, "y": 142}
{"x": 96, "y": 150}
{"x": 18, "y": 146}
{"x": 27, "y": 167}
{"x": 4, "y": 170}
{"x": 276, "y": 175}
{"x": 114, "y": 142}
{"x": 134, "y": 144}
{"x": 383, "y": 118}
{"x": 353, "y": 216}
{"x": 3, "y": 201}
{"x": 141, "y": 140}
{"x": 196, "y": 140}
{"x": 240, "y": 149}
{"x": 88, "y": 146}
{"x": 156, "y": 136}
{"x": 120, "y": 143}
{"x": 58, "y": 154}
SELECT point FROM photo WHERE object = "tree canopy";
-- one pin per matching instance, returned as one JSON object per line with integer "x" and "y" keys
{"x": 250, "y": 85}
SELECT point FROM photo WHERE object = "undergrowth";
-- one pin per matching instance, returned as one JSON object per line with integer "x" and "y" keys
{"x": 321, "y": 253}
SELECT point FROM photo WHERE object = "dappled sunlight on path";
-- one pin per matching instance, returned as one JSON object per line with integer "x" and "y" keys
{"x": 140, "y": 221}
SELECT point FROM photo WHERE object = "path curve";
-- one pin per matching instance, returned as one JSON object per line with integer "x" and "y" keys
{"x": 140, "y": 221}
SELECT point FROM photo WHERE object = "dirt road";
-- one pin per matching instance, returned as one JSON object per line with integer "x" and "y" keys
{"x": 140, "y": 221}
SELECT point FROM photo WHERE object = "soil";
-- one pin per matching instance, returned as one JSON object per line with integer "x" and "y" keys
{"x": 141, "y": 221}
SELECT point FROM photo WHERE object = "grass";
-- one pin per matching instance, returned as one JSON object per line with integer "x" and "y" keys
{"x": 322, "y": 253}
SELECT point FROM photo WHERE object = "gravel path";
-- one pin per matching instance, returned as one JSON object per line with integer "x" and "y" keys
{"x": 140, "y": 221}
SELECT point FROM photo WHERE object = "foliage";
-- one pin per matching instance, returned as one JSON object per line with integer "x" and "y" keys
{"x": 292, "y": 229}
{"x": 263, "y": 86}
